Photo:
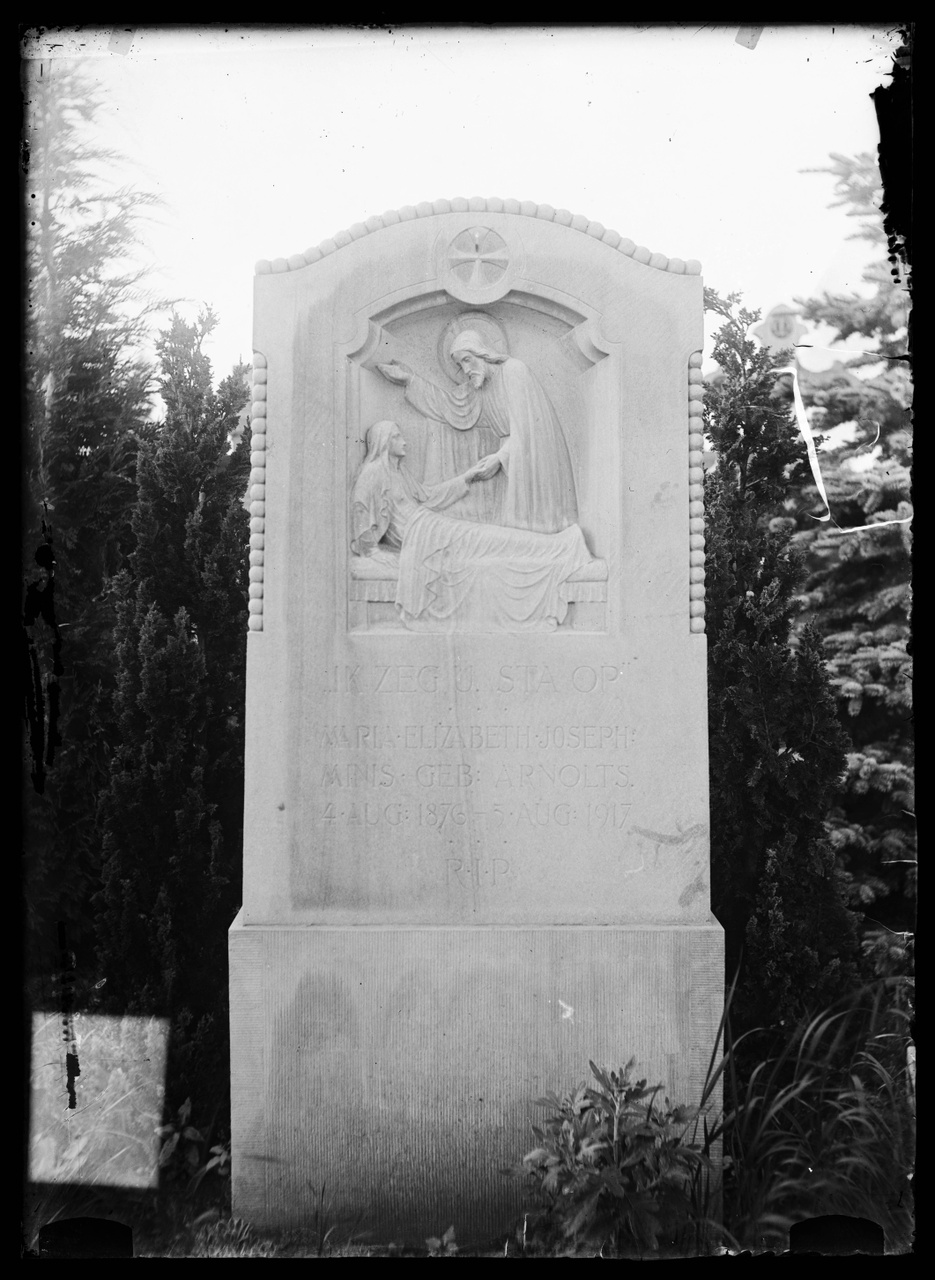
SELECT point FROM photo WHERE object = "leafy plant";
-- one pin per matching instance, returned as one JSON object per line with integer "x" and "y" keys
{"x": 614, "y": 1168}
{"x": 825, "y": 1126}
{"x": 219, "y": 1160}
{"x": 222, "y": 1238}
{"x": 181, "y": 1140}
{"x": 444, "y": 1246}
{"x": 184, "y": 1149}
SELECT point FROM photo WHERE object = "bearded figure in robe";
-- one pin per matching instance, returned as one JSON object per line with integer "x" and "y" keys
{"x": 501, "y": 393}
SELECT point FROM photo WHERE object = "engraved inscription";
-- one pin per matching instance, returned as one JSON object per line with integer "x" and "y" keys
{"x": 445, "y": 775}
{"x": 472, "y": 872}
{"x": 373, "y": 737}
{"x": 478, "y": 793}
{"x": 478, "y": 737}
{"x": 396, "y": 678}
{"x": 522, "y": 679}
{"x": 565, "y": 775}
{"x": 357, "y": 775}
{"x": 597, "y": 816}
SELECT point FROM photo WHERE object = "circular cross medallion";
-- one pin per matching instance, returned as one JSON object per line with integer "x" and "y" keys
{"x": 478, "y": 256}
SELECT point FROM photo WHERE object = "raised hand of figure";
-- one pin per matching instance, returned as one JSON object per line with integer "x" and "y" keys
{"x": 396, "y": 372}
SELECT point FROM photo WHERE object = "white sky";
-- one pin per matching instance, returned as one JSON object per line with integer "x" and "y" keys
{"x": 265, "y": 141}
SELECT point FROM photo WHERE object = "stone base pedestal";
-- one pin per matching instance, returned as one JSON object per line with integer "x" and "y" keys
{"x": 398, "y": 1067}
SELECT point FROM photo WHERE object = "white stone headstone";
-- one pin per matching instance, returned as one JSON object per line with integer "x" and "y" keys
{"x": 476, "y": 849}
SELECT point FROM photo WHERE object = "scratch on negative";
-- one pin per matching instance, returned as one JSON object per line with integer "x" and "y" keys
{"x": 682, "y": 839}
{"x": 660, "y": 837}
{"x": 691, "y": 891}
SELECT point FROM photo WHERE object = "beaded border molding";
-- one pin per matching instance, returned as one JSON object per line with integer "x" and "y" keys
{"x": 696, "y": 541}
{"x": 257, "y": 491}
{"x": 480, "y": 204}
{"x": 696, "y": 607}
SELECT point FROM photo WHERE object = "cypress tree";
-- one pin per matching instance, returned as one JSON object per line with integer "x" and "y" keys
{"x": 172, "y": 813}
{"x": 87, "y": 402}
{"x": 776, "y": 748}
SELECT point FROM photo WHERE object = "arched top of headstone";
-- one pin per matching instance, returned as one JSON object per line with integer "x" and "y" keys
{"x": 479, "y": 204}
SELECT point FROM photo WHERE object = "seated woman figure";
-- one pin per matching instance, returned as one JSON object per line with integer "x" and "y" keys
{"x": 457, "y": 575}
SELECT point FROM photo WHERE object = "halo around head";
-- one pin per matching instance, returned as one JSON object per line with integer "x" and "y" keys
{"x": 467, "y": 340}
{"x": 490, "y": 331}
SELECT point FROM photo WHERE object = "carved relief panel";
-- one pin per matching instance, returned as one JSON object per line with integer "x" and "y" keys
{"x": 471, "y": 507}
{"x": 475, "y": 685}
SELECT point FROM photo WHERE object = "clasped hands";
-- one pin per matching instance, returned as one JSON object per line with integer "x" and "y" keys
{"x": 484, "y": 469}
{"x": 402, "y": 375}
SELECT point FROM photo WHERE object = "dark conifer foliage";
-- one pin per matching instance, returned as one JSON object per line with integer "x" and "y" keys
{"x": 87, "y": 403}
{"x": 777, "y": 749}
{"x": 136, "y": 608}
{"x": 134, "y": 613}
{"x": 171, "y": 814}
{"x": 857, "y": 592}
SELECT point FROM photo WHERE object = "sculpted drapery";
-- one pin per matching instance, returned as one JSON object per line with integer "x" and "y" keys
{"x": 502, "y": 394}
{"x": 457, "y": 575}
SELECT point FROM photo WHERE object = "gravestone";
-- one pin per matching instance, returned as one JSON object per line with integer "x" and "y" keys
{"x": 476, "y": 818}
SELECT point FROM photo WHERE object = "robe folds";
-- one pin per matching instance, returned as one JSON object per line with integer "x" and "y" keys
{"x": 461, "y": 575}
{"x": 540, "y": 487}
{"x": 464, "y": 576}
